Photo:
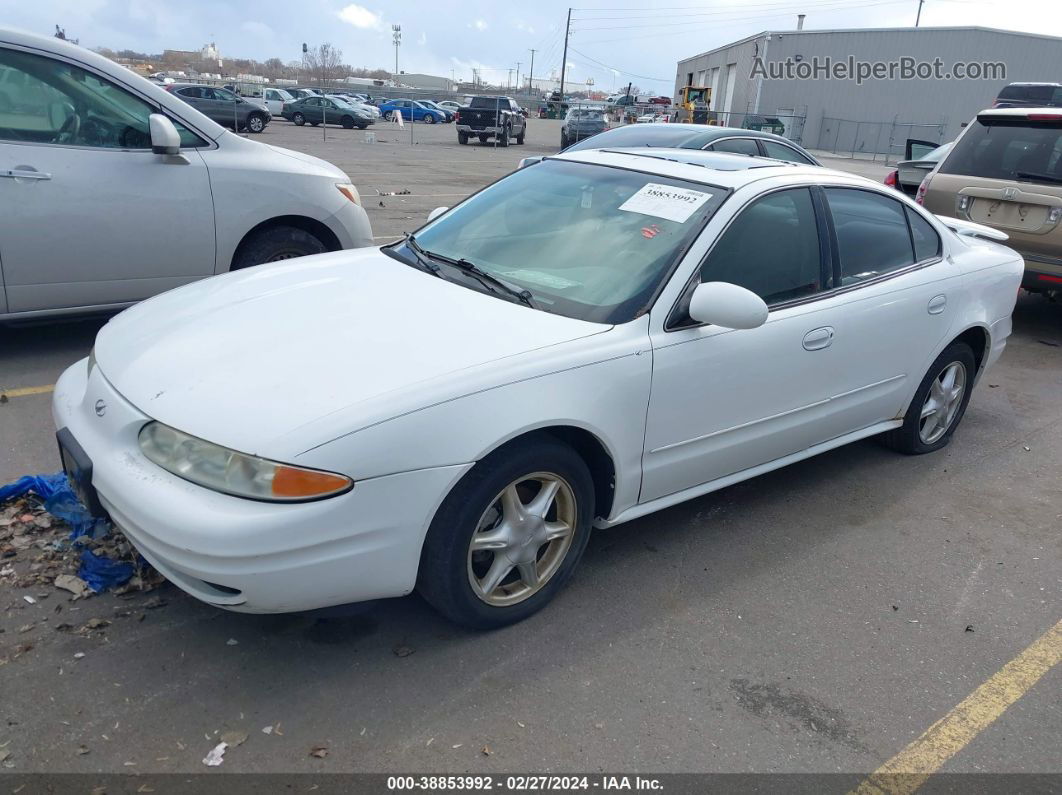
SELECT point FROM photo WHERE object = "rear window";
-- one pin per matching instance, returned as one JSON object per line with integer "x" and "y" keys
{"x": 1008, "y": 149}
{"x": 635, "y": 135}
{"x": 488, "y": 102}
{"x": 1041, "y": 95}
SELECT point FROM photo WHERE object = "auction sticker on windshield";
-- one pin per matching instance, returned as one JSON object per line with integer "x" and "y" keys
{"x": 665, "y": 201}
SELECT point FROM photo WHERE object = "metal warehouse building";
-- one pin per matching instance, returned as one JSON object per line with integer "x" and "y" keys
{"x": 843, "y": 116}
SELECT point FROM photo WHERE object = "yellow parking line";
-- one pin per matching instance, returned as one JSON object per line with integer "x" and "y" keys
{"x": 27, "y": 390}
{"x": 909, "y": 769}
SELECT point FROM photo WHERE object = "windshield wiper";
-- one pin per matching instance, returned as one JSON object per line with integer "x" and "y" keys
{"x": 493, "y": 283}
{"x": 1040, "y": 177}
{"x": 422, "y": 257}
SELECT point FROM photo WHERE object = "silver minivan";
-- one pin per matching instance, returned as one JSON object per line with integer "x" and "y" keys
{"x": 113, "y": 190}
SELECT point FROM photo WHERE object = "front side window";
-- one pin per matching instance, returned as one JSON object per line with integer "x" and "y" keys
{"x": 223, "y": 95}
{"x": 771, "y": 248}
{"x": 782, "y": 152}
{"x": 53, "y": 102}
{"x": 586, "y": 241}
{"x": 872, "y": 234}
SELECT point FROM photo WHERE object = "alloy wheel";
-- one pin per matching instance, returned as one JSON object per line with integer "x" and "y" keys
{"x": 522, "y": 539}
{"x": 942, "y": 403}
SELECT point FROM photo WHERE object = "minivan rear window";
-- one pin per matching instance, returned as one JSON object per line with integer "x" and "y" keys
{"x": 1013, "y": 149}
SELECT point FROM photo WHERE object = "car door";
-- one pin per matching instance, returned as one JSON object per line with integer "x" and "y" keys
{"x": 724, "y": 400}
{"x": 311, "y": 109}
{"x": 273, "y": 101}
{"x": 90, "y": 215}
{"x": 839, "y": 353}
{"x": 223, "y": 106}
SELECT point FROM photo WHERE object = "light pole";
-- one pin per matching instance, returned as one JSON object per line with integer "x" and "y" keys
{"x": 531, "y": 76}
{"x": 396, "y": 32}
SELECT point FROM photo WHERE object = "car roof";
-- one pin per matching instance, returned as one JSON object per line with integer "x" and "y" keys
{"x": 717, "y": 168}
{"x": 1019, "y": 113}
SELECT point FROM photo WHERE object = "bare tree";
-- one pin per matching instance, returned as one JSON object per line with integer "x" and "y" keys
{"x": 324, "y": 62}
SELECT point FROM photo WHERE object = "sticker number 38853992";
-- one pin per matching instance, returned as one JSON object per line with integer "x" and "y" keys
{"x": 665, "y": 201}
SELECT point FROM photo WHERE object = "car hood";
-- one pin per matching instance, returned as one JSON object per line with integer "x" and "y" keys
{"x": 245, "y": 358}
{"x": 325, "y": 167}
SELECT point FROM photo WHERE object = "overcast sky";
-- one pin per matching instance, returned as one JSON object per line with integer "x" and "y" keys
{"x": 612, "y": 41}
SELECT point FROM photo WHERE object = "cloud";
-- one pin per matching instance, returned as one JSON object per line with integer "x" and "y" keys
{"x": 260, "y": 29}
{"x": 521, "y": 25}
{"x": 478, "y": 24}
{"x": 422, "y": 39}
{"x": 359, "y": 16}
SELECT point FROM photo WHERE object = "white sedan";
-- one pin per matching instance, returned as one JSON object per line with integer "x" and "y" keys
{"x": 593, "y": 338}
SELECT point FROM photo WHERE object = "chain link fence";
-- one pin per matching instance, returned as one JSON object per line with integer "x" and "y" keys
{"x": 875, "y": 140}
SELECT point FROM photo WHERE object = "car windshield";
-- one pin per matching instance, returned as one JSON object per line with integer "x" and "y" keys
{"x": 1008, "y": 148}
{"x": 587, "y": 241}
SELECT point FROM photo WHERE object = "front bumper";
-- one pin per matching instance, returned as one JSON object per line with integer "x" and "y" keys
{"x": 245, "y": 555}
{"x": 351, "y": 226}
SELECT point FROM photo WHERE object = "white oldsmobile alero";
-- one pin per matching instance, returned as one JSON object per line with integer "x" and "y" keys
{"x": 590, "y": 339}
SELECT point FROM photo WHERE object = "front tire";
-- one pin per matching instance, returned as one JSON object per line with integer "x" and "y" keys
{"x": 389, "y": 116}
{"x": 256, "y": 123}
{"x": 347, "y": 122}
{"x": 509, "y": 535}
{"x": 429, "y": 119}
{"x": 520, "y": 137}
{"x": 939, "y": 403}
{"x": 503, "y": 139}
{"x": 564, "y": 141}
{"x": 275, "y": 244}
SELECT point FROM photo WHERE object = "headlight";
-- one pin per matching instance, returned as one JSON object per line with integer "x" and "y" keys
{"x": 241, "y": 475}
{"x": 349, "y": 191}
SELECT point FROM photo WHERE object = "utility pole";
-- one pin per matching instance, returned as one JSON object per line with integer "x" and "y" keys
{"x": 564, "y": 58}
{"x": 518, "y": 77}
{"x": 919, "y": 17}
{"x": 509, "y": 80}
{"x": 531, "y": 78}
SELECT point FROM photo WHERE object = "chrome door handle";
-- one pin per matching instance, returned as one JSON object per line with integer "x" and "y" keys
{"x": 23, "y": 172}
{"x": 937, "y": 304}
{"x": 819, "y": 338}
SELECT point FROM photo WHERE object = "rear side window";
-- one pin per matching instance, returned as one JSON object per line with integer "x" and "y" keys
{"x": 1041, "y": 95}
{"x": 872, "y": 234}
{"x": 924, "y": 237}
{"x": 1013, "y": 150}
{"x": 741, "y": 146}
{"x": 781, "y": 266}
{"x": 787, "y": 153}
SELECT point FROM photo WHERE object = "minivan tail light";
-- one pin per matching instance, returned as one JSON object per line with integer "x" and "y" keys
{"x": 1044, "y": 117}
{"x": 920, "y": 197}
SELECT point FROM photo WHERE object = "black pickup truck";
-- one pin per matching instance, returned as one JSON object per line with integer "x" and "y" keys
{"x": 491, "y": 117}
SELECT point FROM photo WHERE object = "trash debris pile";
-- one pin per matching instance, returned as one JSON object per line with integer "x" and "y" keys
{"x": 48, "y": 538}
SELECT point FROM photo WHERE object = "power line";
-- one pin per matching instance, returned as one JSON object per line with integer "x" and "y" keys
{"x": 622, "y": 71}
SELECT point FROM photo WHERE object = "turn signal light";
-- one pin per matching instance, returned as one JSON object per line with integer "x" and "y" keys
{"x": 290, "y": 483}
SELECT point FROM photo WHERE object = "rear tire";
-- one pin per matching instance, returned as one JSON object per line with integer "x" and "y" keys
{"x": 449, "y": 566}
{"x": 462, "y": 138}
{"x": 564, "y": 141}
{"x": 484, "y": 138}
{"x": 935, "y": 404}
{"x": 298, "y": 119}
{"x": 275, "y": 244}
{"x": 390, "y": 115}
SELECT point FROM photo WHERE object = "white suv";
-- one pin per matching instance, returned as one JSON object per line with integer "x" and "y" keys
{"x": 113, "y": 190}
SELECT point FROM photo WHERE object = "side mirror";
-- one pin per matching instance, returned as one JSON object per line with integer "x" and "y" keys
{"x": 437, "y": 212}
{"x": 165, "y": 140}
{"x": 530, "y": 161}
{"x": 727, "y": 305}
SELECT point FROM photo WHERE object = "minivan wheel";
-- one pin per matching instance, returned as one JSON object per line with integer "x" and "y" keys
{"x": 274, "y": 244}
{"x": 509, "y": 535}
{"x": 938, "y": 405}
{"x": 256, "y": 122}
{"x": 298, "y": 119}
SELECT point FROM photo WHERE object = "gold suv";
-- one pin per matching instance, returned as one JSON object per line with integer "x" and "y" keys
{"x": 1005, "y": 171}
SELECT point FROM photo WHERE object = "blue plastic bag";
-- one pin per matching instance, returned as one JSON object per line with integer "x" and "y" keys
{"x": 61, "y": 502}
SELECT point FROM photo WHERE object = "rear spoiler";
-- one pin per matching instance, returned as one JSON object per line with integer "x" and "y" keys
{"x": 970, "y": 229}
